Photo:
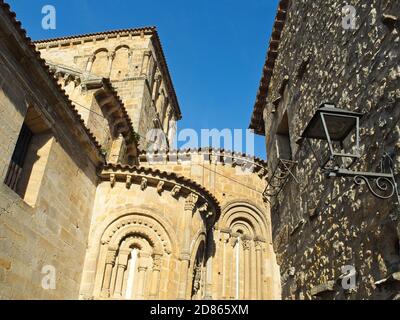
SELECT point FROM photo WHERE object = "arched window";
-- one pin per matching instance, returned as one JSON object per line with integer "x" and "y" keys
{"x": 120, "y": 64}
{"x": 130, "y": 259}
{"x": 100, "y": 63}
{"x": 244, "y": 239}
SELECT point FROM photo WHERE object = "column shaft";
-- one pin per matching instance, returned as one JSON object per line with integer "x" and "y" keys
{"x": 259, "y": 280}
{"x": 155, "y": 278}
{"x": 110, "y": 262}
{"x": 246, "y": 247}
{"x": 141, "y": 281}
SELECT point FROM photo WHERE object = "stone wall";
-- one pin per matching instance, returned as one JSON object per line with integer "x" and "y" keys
{"x": 320, "y": 224}
{"x": 52, "y": 229}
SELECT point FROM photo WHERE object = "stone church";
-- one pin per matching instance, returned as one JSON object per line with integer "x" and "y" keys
{"x": 87, "y": 212}
{"x": 82, "y": 199}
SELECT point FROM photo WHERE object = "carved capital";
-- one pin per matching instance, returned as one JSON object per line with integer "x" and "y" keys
{"x": 246, "y": 245}
{"x": 225, "y": 235}
{"x": 142, "y": 269}
{"x": 111, "y": 256}
{"x": 185, "y": 256}
{"x": 147, "y": 53}
{"x": 233, "y": 240}
{"x": 157, "y": 263}
{"x": 191, "y": 201}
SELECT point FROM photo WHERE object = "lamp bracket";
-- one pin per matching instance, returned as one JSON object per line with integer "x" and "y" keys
{"x": 382, "y": 184}
{"x": 281, "y": 174}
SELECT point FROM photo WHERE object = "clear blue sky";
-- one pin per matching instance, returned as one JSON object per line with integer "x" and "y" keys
{"x": 215, "y": 49}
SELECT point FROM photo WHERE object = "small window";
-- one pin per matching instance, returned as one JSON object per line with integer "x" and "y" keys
{"x": 18, "y": 158}
{"x": 28, "y": 162}
{"x": 283, "y": 148}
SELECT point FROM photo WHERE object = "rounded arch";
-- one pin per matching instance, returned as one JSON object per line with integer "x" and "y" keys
{"x": 138, "y": 230}
{"x": 120, "y": 63}
{"x": 100, "y": 50}
{"x": 161, "y": 224}
{"x": 137, "y": 241}
{"x": 246, "y": 215}
{"x": 122, "y": 45}
{"x": 242, "y": 227}
{"x": 100, "y": 62}
{"x": 194, "y": 247}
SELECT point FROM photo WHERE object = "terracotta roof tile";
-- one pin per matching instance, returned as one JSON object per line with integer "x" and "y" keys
{"x": 257, "y": 121}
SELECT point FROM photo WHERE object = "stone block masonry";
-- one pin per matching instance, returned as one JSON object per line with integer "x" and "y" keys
{"x": 321, "y": 225}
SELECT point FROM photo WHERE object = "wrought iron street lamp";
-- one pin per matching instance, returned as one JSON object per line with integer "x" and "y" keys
{"x": 334, "y": 125}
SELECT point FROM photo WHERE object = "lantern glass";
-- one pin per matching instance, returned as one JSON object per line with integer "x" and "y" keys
{"x": 334, "y": 125}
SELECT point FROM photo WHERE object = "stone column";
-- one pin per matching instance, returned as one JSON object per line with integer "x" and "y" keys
{"x": 141, "y": 276}
{"x": 110, "y": 262}
{"x": 184, "y": 276}
{"x": 160, "y": 102}
{"x": 111, "y": 57}
{"x": 145, "y": 63}
{"x": 121, "y": 267}
{"x": 259, "y": 277}
{"x": 156, "y": 87}
{"x": 90, "y": 63}
{"x": 209, "y": 268}
{"x": 167, "y": 118}
{"x": 190, "y": 205}
{"x": 232, "y": 267}
{"x": 155, "y": 277}
{"x": 246, "y": 250}
{"x": 225, "y": 239}
{"x": 172, "y": 130}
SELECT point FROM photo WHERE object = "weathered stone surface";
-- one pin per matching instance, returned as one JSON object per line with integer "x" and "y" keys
{"x": 357, "y": 69}
{"x": 130, "y": 228}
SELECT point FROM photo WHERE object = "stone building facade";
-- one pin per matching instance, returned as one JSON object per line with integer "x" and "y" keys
{"x": 86, "y": 212}
{"x": 316, "y": 56}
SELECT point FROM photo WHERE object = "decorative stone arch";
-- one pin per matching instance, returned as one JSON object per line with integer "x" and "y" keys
{"x": 162, "y": 222}
{"x": 132, "y": 230}
{"x": 250, "y": 215}
{"x": 244, "y": 230}
{"x": 114, "y": 238}
{"x": 137, "y": 241}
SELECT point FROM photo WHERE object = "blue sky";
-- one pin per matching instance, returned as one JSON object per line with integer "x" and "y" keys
{"x": 215, "y": 49}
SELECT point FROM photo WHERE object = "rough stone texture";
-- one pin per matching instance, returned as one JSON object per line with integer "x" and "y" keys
{"x": 320, "y": 224}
